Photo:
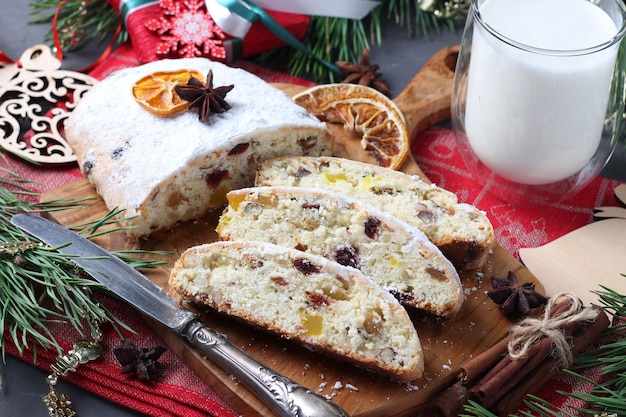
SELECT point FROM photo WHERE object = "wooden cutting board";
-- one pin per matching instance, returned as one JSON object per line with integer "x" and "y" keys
{"x": 447, "y": 342}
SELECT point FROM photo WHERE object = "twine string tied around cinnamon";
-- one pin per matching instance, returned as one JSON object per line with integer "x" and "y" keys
{"x": 532, "y": 329}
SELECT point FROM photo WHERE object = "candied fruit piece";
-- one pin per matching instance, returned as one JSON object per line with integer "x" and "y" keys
{"x": 268, "y": 201}
{"x": 312, "y": 323}
{"x": 394, "y": 262}
{"x": 235, "y": 199}
{"x": 335, "y": 177}
{"x": 218, "y": 197}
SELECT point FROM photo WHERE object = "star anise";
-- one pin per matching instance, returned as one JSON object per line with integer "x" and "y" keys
{"x": 516, "y": 299}
{"x": 363, "y": 73}
{"x": 204, "y": 97}
{"x": 141, "y": 362}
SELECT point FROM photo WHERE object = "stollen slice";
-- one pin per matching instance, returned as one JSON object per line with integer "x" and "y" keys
{"x": 306, "y": 298}
{"x": 462, "y": 232}
{"x": 394, "y": 254}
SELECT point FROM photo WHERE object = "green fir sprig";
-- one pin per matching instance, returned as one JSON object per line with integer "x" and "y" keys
{"x": 40, "y": 286}
{"x": 337, "y": 39}
{"x": 329, "y": 38}
{"x": 78, "y": 21}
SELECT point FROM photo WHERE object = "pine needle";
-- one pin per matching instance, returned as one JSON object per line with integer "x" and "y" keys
{"x": 40, "y": 286}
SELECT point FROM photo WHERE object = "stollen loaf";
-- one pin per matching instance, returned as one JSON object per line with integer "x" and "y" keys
{"x": 305, "y": 298}
{"x": 394, "y": 254}
{"x": 163, "y": 170}
{"x": 462, "y": 232}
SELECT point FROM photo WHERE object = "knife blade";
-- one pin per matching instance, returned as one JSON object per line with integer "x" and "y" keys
{"x": 284, "y": 396}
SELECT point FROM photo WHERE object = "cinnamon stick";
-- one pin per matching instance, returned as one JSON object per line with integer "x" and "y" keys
{"x": 497, "y": 381}
{"x": 477, "y": 366}
{"x": 509, "y": 373}
{"x": 582, "y": 337}
{"x": 492, "y": 358}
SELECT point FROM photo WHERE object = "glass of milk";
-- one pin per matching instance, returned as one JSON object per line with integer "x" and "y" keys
{"x": 538, "y": 99}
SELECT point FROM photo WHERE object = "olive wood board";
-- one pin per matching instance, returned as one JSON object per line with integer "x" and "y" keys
{"x": 447, "y": 343}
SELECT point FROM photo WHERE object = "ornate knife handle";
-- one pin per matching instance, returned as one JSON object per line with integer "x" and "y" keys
{"x": 284, "y": 396}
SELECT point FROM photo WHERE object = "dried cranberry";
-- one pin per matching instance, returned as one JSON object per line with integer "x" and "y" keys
{"x": 306, "y": 267}
{"x": 316, "y": 299}
{"x": 213, "y": 179}
{"x": 239, "y": 149}
{"x": 347, "y": 256}
{"x": 372, "y": 227}
{"x": 88, "y": 166}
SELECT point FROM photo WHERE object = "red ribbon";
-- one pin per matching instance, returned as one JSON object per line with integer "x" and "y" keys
{"x": 59, "y": 49}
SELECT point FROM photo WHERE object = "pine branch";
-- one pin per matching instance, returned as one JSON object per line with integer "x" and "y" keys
{"x": 78, "y": 21}
{"x": 38, "y": 285}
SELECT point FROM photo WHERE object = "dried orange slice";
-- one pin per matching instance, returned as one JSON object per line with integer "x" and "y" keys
{"x": 155, "y": 91}
{"x": 366, "y": 111}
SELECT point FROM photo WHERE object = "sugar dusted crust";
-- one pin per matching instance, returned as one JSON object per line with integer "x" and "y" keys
{"x": 168, "y": 169}
{"x": 463, "y": 233}
{"x": 305, "y": 298}
{"x": 397, "y": 256}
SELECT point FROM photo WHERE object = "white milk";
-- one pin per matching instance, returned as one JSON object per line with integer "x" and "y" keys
{"x": 537, "y": 118}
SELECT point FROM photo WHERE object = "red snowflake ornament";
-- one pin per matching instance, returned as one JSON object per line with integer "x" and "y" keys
{"x": 186, "y": 30}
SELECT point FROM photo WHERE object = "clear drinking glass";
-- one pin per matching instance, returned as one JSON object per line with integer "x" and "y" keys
{"x": 538, "y": 98}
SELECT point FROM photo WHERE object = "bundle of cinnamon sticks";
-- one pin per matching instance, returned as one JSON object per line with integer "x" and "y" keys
{"x": 499, "y": 382}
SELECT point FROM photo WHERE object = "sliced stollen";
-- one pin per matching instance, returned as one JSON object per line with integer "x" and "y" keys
{"x": 306, "y": 298}
{"x": 395, "y": 255}
{"x": 462, "y": 232}
{"x": 163, "y": 170}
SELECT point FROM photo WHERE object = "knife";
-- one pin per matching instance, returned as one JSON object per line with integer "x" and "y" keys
{"x": 284, "y": 396}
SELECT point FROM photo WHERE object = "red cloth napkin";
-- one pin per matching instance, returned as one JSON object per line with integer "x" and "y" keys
{"x": 515, "y": 226}
{"x": 181, "y": 393}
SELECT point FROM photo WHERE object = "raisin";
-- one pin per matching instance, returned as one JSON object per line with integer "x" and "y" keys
{"x": 372, "y": 227}
{"x": 88, "y": 166}
{"x": 316, "y": 300}
{"x": 436, "y": 274}
{"x": 239, "y": 149}
{"x": 402, "y": 296}
{"x": 213, "y": 179}
{"x": 307, "y": 143}
{"x": 302, "y": 172}
{"x": 306, "y": 267}
{"x": 347, "y": 256}
{"x": 118, "y": 153}
{"x": 278, "y": 280}
{"x": 310, "y": 206}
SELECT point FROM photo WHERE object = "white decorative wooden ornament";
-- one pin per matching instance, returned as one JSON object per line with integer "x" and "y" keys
{"x": 36, "y": 97}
